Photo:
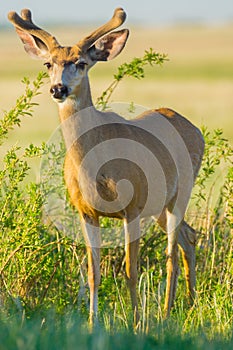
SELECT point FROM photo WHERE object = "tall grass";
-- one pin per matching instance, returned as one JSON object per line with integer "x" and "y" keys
{"x": 43, "y": 273}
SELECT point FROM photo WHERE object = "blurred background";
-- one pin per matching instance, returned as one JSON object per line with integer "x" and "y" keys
{"x": 197, "y": 81}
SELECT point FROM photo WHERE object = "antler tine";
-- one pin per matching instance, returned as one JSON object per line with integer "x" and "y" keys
{"x": 25, "y": 23}
{"x": 26, "y": 15}
{"x": 117, "y": 19}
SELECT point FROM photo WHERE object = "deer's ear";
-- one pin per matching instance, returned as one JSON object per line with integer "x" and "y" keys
{"x": 108, "y": 46}
{"x": 35, "y": 47}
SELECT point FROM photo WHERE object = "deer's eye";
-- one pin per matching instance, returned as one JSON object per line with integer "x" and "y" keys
{"x": 81, "y": 65}
{"x": 48, "y": 65}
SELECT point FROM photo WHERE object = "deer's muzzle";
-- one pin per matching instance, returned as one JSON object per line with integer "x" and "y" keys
{"x": 59, "y": 91}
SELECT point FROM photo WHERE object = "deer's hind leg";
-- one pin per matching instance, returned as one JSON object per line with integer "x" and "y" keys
{"x": 172, "y": 228}
{"x": 186, "y": 241}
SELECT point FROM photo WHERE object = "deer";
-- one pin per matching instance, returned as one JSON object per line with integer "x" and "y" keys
{"x": 118, "y": 168}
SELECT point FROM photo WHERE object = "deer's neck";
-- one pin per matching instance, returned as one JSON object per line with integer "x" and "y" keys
{"x": 77, "y": 102}
{"x": 78, "y": 116}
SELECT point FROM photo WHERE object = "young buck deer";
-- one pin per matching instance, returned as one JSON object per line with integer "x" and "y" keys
{"x": 116, "y": 167}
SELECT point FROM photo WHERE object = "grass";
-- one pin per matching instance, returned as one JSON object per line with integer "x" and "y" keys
{"x": 56, "y": 332}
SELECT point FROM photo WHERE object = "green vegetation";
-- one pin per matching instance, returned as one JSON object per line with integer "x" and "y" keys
{"x": 66, "y": 332}
{"x": 135, "y": 69}
{"x": 43, "y": 276}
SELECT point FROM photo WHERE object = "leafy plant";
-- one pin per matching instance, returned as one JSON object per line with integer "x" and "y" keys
{"x": 134, "y": 69}
{"x": 23, "y": 107}
{"x": 218, "y": 153}
{"x": 31, "y": 250}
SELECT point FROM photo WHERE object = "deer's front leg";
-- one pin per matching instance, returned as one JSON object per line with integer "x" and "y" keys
{"x": 172, "y": 261}
{"x": 90, "y": 228}
{"x": 132, "y": 237}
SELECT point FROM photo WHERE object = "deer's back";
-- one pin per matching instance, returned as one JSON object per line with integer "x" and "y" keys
{"x": 122, "y": 165}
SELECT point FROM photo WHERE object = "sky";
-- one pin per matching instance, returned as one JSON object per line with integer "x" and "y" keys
{"x": 147, "y": 12}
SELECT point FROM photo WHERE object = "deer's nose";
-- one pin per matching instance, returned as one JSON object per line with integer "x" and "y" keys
{"x": 59, "y": 91}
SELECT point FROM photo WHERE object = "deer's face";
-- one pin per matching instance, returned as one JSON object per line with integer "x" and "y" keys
{"x": 68, "y": 66}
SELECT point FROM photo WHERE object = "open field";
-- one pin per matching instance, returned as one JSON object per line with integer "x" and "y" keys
{"x": 197, "y": 81}
{"x": 43, "y": 272}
